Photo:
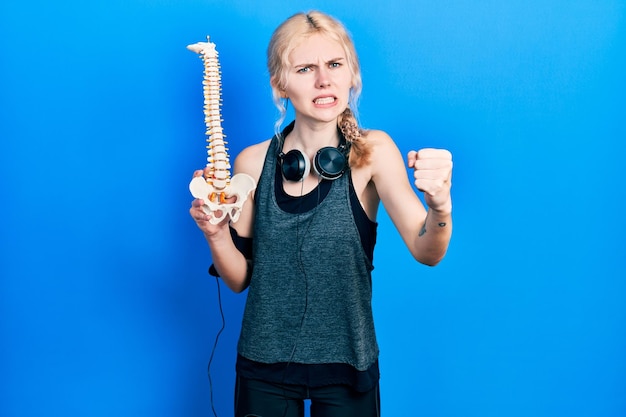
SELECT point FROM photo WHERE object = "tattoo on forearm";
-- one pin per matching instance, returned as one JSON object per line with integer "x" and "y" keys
{"x": 423, "y": 231}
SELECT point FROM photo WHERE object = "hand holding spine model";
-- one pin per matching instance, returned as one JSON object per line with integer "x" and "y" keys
{"x": 217, "y": 185}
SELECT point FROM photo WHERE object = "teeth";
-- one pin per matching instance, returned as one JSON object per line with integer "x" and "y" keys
{"x": 325, "y": 100}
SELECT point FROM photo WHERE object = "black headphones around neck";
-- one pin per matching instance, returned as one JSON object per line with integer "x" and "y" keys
{"x": 329, "y": 163}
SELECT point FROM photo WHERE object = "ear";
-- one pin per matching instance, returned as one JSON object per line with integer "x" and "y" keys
{"x": 281, "y": 92}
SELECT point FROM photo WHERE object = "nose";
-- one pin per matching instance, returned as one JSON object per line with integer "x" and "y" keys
{"x": 323, "y": 78}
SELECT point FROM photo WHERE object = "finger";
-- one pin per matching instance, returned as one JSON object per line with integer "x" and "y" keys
{"x": 198, "y": 202}
{"x": 431, "y": 187}
{"x": 432, "y": 174}
{"x": 433, "y": 163}
{"x": 410, "y": 158}
{"x": 198, "y": 215}
{"x": 428, "y": 153}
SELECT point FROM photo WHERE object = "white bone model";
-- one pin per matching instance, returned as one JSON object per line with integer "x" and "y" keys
{"x": 217, "y": 186}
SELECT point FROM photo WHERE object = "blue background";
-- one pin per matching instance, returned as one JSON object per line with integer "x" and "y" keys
{"x": 106, "y": 308}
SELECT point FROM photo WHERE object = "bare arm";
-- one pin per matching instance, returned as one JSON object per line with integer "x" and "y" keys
{"x": 233, "y": 267}
{"x": 432, "y": 173}
{"x": 426, "y": 233}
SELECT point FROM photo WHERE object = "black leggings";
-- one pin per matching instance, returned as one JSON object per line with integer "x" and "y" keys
{"x": 265, "y": 399}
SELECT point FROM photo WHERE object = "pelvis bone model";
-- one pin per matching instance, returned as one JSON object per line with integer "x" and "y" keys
{"x": 222, "y": 195}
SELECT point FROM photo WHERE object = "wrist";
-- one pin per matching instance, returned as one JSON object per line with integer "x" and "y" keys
{"x": 443, "y": 209}
{"x": 217, "y": 235}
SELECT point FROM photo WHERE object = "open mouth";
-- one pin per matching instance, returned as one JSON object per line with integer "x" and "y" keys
{"x": 324, "y": 100}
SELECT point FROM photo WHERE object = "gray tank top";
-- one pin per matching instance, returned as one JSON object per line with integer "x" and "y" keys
{"x": 310, "y": 293}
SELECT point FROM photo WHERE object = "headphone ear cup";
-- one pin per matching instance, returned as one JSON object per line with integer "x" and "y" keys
{"x": 294, "y": 165}
{"x": 329, "y": 163}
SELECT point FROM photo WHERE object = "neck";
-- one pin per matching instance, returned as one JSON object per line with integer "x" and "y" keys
{"x": 309, "y": 137}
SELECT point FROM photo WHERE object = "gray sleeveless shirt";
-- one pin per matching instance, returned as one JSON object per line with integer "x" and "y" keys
{"x": 310, "y": 293}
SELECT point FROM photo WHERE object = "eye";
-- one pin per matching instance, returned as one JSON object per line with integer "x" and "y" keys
{"x": 334, "y": 65}
{"x": 304, "y": 69}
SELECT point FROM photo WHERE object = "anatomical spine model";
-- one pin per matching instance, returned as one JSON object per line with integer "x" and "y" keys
{"x": 217, "y": 186}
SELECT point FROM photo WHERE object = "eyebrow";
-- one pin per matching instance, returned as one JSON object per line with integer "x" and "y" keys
{"x": 314, "y": 65}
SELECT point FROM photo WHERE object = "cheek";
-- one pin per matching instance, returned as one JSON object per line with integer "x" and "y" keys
{"x": 348, "y": 80}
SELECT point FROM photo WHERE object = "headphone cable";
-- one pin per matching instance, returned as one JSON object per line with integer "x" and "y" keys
{"x": 217, "y": 337}
{"x": 306, "y": 280}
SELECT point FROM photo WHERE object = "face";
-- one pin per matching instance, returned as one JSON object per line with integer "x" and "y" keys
{"x": 318, "y": 79}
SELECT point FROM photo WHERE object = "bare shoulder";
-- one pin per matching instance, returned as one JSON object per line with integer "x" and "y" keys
{"x": 378, "y": 139}
{"x": 368, "y": 178}
{"x": 250, "y": 160}
{"x": 382, "y": 146}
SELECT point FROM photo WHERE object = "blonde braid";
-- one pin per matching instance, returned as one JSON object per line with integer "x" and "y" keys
{"x": 359, "y": 149}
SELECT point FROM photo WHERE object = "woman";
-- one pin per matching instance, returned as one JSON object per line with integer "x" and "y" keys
{"x": 304, "y": 242}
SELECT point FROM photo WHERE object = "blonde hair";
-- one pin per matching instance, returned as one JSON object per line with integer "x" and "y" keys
{"x": 284, "y": 39}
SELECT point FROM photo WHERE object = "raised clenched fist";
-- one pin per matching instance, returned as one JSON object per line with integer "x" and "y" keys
{"x": 432, "y": 172}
